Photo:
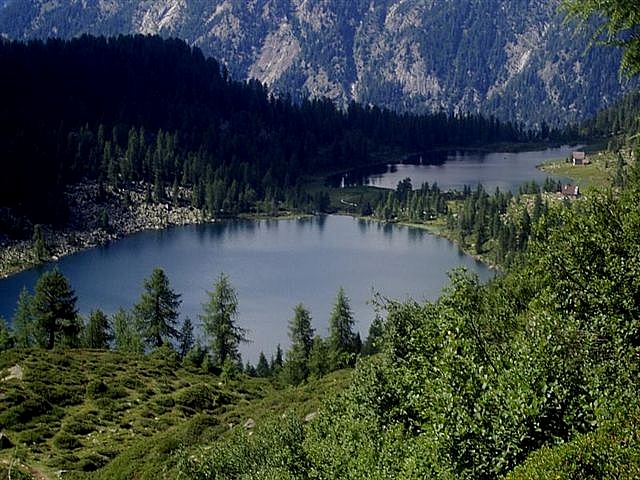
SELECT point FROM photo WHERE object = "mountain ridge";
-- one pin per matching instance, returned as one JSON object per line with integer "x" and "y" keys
{"x": 518, "y": 59}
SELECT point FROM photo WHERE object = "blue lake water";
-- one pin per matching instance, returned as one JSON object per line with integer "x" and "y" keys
{"x": 453, "y": 171}
{"x": 273, "y": 265}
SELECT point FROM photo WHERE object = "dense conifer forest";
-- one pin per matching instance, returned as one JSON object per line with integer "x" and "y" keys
{"x": 139, "y": 108}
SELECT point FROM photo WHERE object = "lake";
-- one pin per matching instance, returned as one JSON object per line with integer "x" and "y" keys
{"x": 452, "y": 171}
{"x": 273, "y": 265}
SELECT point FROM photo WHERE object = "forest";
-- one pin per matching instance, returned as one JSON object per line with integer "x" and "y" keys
{"x": 157, "y": 111}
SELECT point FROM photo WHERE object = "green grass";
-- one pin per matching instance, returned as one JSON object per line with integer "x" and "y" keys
{"x": 599, "y": 173}
{"x": 115, "y": 415}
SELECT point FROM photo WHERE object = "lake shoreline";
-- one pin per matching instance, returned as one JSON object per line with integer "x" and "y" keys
{"x": 127, "y": 212}
{"x": 97, "y": 216}
{"x": 19, "y": 255}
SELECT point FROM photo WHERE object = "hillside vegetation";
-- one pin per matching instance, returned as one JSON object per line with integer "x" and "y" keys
{"x": 534, "y": 374}
{"x": 126, "y": 416}
{"x": 536, "y": 370}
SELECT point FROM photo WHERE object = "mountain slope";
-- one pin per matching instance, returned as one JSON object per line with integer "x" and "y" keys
{"x": 516, "y": 59}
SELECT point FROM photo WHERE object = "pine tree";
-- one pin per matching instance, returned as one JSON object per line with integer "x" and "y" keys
{"x": 23, "y": 324}
{"x": 277, "y": 362}
{"x": 98, "y": 332}
{"x": 374, "y": 339}
{"x": 54, "y": 311}
{"x": 301, "y": 334}
{"x": 126, "y": 337}
{"x": 318, "y": 361}
{"x": 219, "y": 321}
{"x": 342, "y": 348}
{"x": 262, "y": 369}
{"x": 157, "y": 311}
{"x": 187, "y": 341}
{"x": 7, "y": 340}
{"x": 39, "y": 245}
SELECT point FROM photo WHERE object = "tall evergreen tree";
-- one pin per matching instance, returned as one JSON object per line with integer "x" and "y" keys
{"x": 277, "y": 362}
{"x": 318, "y": 361}
{"x": 157, "y": 311}
{"x": 220, "y": 322}
{"x": 342, "y": 339}
{"x": 23, "y": 324}
{"x": 7, "y": 340}
{"x": 126, "y": 336}
{"x": 187, "y": 340}
{"x": 39, "y": 245}
{"x": 54, "y": 311}
{"x": 98, "y": 332}
{"x": 301, "y": 335}
{"x": 262, "y": 369}
{"x": 374, "y": 339}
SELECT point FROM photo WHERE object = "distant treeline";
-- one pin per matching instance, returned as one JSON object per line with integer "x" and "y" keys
{"x": 623, "y": 118}
{"x": 140, "y": 108}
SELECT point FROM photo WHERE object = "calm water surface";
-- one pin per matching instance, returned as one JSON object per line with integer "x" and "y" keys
{"x": 453, "y": 171}
{"x": 273, "y": 265}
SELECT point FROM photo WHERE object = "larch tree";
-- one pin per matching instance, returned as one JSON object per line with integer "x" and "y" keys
{"x": 187, "y": 340}
{"x": 220, "y": 322}
{"x": 98, "y": 332}
{"x": 342, "y": 339}
{"x": 157, "y": 311}
{"x": 7, "y": 340}
{"x": 296, "y": 367}
{"x": 262, "y": 368}
{"x": 126, "y": 335}
{"x": 53, "y": 307}
{"x": 22, "y": 323}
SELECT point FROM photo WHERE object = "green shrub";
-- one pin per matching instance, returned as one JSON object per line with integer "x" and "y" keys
{"x": 201, "y": 397}
{"x": 166, "y": 401}
{"x": 39, "y": 434}
{"x": 79, "y": 426}
{"x": 92, "y": 462}
{"x": 611, "y": 452}
{"x": 132, "y": 383}
{"x": 96, "y": 388}
{"x": 66, "y": 441}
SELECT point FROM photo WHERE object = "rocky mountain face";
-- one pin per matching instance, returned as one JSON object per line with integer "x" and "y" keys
{"x": 515, "y": 59}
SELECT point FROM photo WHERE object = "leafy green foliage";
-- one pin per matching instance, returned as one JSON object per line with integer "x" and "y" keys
{"x": 536, "y": 369}
{"x": 611, "y": 451}
{"x": 621, "y": 26}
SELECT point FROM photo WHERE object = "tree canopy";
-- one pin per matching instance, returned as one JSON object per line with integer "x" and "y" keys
{"x": 621, "y": 26}
{"x": 53, "y": 310}
{"x": 220, "y": 322}
{"x": 157, "y": 310}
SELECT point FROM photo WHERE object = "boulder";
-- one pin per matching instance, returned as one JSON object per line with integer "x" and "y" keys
{"x": 249, "y": 424}
{"x": 5, "y": 442}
